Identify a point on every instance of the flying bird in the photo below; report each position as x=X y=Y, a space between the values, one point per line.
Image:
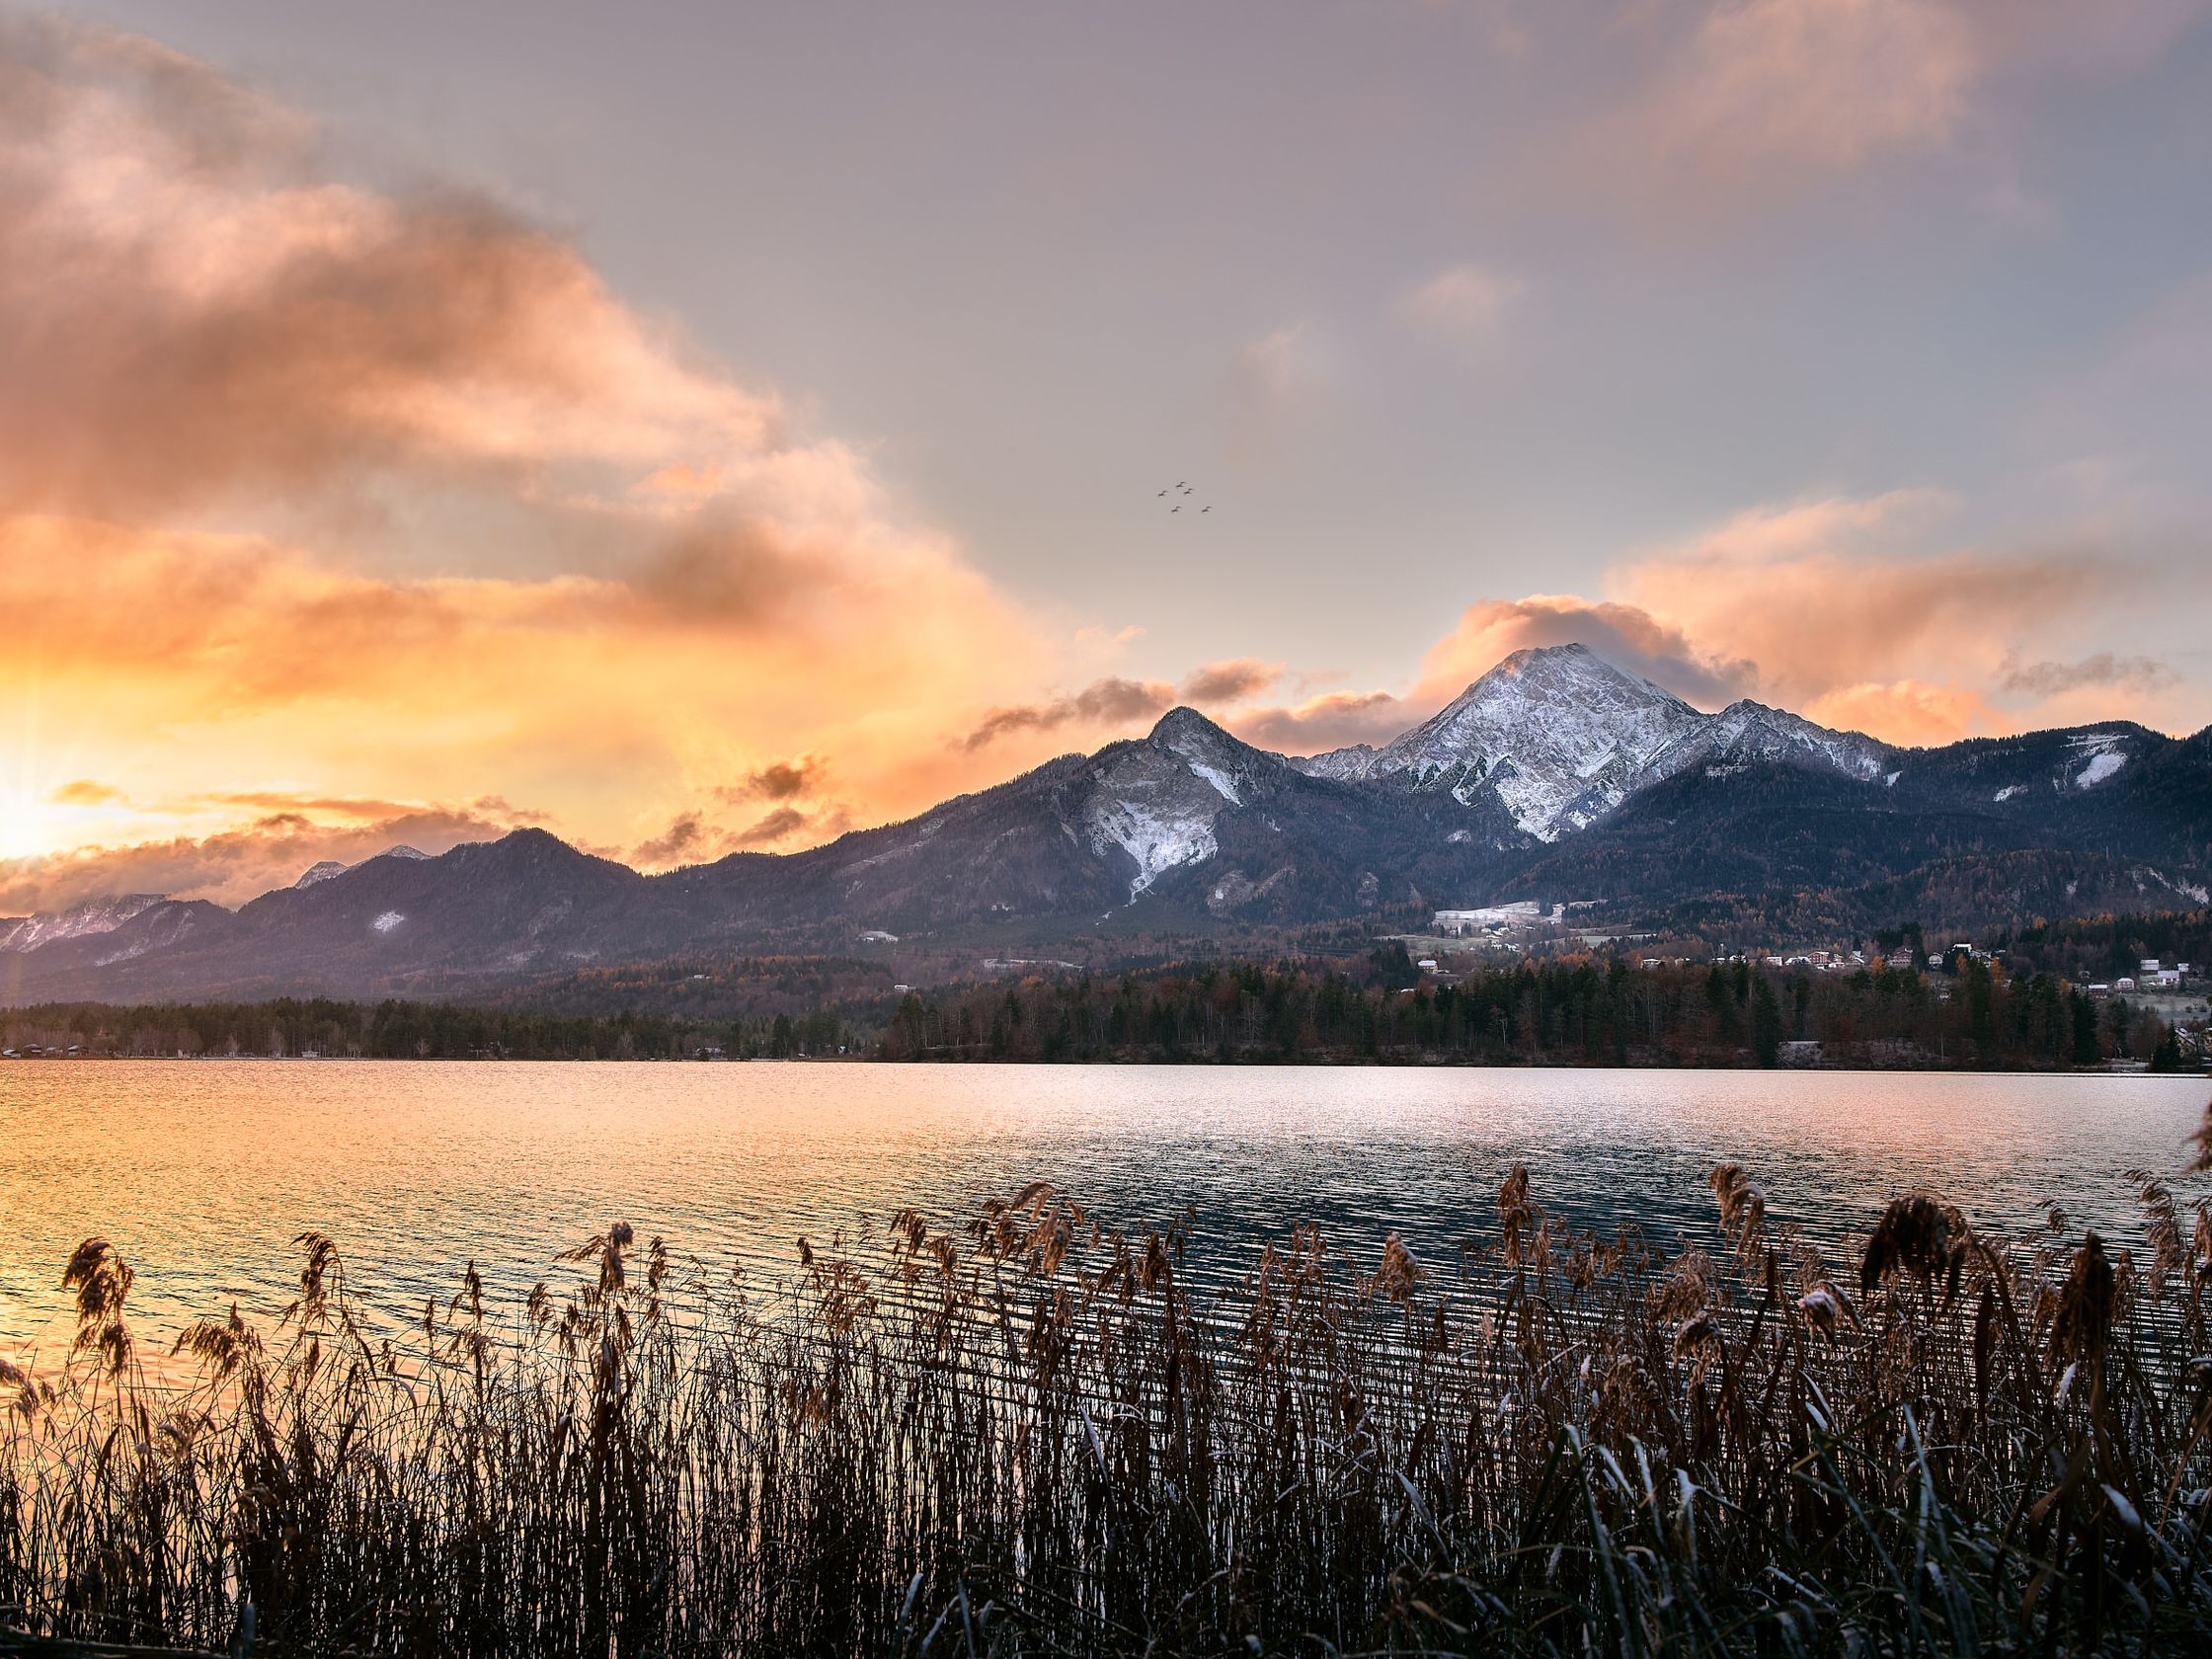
x=1207 y=507
x=1177 y=508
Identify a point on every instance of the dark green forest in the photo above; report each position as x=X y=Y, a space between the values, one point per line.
x=2026 y=1010
x=1585 y=1012
x=406 y=1030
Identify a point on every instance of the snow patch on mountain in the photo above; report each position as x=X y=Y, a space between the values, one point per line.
x=387 y=921
x=2101 y=765
x=1157 y=800
x=1345 y=766
x=1158 y=842
x=319 y=873
x=1219 y=780
x=2186 y=889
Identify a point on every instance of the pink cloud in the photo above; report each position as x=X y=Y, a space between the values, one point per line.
x=1332 y=720
x=1466 y=302
x=1852 y=611
x=1732 y=103
x=1230 y=681
x=1625 y=634
x=1762 y=93
x=235 y=865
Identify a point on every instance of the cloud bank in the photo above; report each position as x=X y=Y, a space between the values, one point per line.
x=381 y=489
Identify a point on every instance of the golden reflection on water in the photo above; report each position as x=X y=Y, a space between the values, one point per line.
x=202 y=1172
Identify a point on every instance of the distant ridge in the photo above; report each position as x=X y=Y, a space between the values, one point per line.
x=1556 y=775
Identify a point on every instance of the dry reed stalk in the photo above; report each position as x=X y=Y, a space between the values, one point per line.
x=1031 y=1434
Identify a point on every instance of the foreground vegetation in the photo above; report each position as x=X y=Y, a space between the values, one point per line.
x=1034 y=1434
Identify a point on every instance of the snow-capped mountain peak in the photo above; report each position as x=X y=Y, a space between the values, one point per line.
x=1558 y=733
x=1561 y=737
x=94 y=916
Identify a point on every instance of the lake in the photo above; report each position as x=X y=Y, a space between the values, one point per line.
x=202 y=1172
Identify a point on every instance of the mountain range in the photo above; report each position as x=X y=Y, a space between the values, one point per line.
x=1556 y=775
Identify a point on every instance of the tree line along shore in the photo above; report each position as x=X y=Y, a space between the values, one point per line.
x=1378 y=1008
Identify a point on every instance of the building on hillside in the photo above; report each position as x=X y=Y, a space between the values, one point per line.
x=1491 y=918
x=2122 y=987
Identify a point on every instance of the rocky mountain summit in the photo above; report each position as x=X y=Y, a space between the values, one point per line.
x=1560 y=738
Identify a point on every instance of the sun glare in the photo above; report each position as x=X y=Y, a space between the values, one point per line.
x=38 y=819
x=27 y=827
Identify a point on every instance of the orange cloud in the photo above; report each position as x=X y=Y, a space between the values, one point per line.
x=85 y=792
x=1836 y=591
x=234 y=865
x=1910 y=712
x=1836 y=607
x=385 y=494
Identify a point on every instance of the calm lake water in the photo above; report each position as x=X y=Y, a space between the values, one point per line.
x=202 y=1172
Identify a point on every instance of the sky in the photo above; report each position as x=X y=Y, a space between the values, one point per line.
x=716 y=427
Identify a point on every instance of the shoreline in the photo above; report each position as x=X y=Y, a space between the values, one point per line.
x=2136 y=1068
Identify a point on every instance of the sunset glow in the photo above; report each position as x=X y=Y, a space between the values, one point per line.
x=329 y=463
x=1109 y=826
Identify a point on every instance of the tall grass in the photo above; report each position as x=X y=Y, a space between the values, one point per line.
x=1030 y=1434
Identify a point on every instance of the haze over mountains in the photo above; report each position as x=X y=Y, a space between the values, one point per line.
x=1555 y=777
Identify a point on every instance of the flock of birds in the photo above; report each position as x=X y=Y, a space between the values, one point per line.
x=1182 y=489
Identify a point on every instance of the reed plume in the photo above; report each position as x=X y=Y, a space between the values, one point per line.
x=1026 y=1430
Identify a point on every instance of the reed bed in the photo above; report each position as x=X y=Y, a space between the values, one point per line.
x=1027 y=1435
